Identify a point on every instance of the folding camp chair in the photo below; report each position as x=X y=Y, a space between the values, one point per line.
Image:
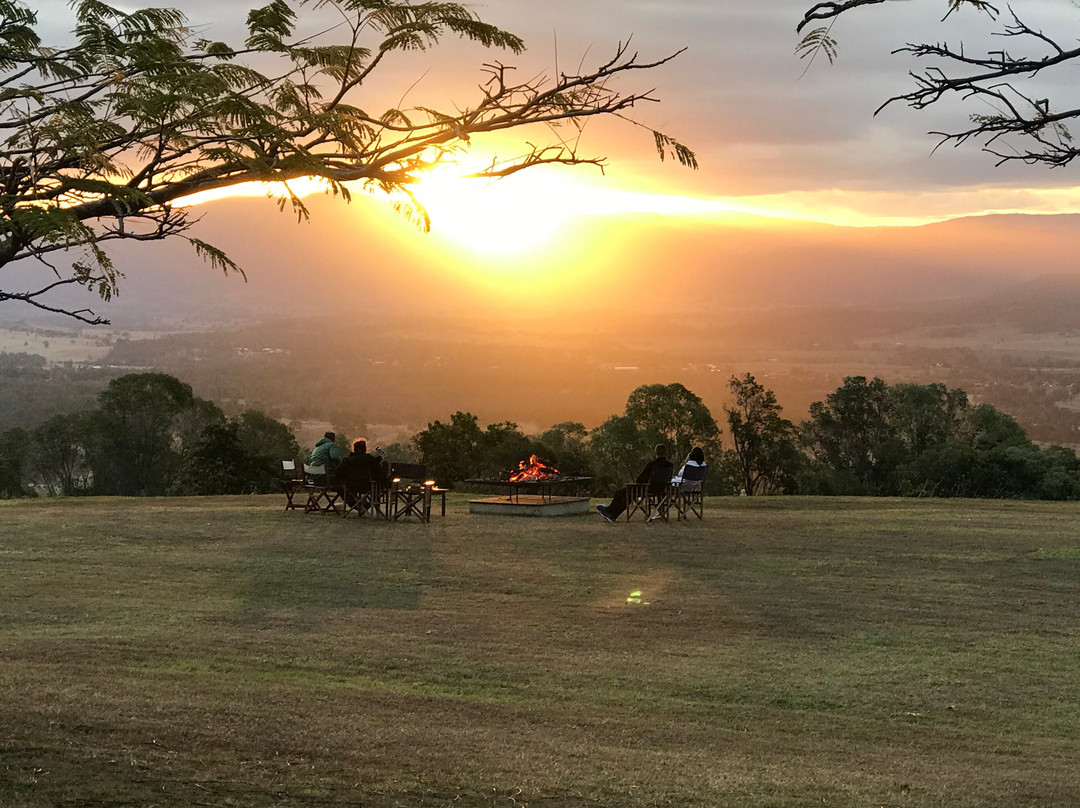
x=689 y=502
x=652 y=503
x=637 y=499
x=322 y=496
x=291 y=482
x=689 y=495
x=374 y=501
x=411 y=492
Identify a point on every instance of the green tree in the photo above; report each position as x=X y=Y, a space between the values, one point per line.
x=59 y=453
x=454 y=451
x=266 y=438
x=926 y=440
x=134 y=452
x=848 y=435
x=403 y=452
x=267 y=442
x=1060 y=474
x=1011 y=115
x=103 y=135
x=617 y=449
x=986 y=427
x=189 y=424
x=566 y=445
x=925 y=415
x=671 y=414
x=765 y=442
x=504 y=447
x=218 y=464
x=13 y=447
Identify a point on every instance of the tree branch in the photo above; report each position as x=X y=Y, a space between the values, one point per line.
x=131 y=119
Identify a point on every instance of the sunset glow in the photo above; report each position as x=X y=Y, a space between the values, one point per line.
x=493 y=217
x=305 y=186
x=528 y=211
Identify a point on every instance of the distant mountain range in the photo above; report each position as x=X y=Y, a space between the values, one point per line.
x=395 y=335
x=351 y=260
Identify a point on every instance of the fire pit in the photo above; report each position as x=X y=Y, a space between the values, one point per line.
x=530 y=491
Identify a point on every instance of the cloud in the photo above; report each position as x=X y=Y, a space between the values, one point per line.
x=760 y=121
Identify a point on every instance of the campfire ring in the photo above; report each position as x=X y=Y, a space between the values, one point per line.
x=545 y=489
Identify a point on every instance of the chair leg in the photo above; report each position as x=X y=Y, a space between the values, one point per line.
x=412 y=503
x=289 y=504
x=332 y=499
x=659 y=507
x=353 y=502
x=637 y=499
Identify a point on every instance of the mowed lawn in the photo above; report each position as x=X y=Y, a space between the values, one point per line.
x=782 y=652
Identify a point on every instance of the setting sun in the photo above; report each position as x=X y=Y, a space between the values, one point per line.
x=495 y=216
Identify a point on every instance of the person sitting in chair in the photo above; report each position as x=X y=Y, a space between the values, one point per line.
x=692 y=474
x=359 y=470
x=326 y=453
x=657 y=473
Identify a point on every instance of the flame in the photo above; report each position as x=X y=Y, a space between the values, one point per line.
x=533 y=469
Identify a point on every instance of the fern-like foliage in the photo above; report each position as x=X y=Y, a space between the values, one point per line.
x=666 y=145
x=215 y=257
x=817 y=41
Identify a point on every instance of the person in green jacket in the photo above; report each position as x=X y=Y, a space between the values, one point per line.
x=326 y=453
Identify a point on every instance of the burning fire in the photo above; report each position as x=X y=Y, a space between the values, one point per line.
x=533 y=469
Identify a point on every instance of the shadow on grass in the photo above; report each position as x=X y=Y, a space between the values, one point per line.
x=308 y=579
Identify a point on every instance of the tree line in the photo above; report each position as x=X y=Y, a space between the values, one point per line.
x=870 y=438
x=149 y=435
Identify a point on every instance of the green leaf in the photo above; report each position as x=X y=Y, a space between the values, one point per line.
x=268 y=26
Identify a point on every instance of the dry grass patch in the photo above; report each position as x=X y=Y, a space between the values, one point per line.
x=786 y=652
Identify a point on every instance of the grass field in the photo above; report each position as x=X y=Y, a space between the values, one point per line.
x=784 y=652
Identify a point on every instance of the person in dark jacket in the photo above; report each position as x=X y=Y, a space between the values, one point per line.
x=359 y=471
x=657 y=473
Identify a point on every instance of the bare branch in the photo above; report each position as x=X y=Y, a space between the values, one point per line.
x=1009 y=123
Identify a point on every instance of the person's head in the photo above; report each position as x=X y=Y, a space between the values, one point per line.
x=697 y=454
x=661 y=450
x=360 y=446
x=331 y=435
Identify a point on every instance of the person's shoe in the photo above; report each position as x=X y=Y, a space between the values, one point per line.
x=656 y=517
x=604 y=513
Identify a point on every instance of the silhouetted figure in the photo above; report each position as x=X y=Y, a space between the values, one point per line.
x=360 y=470
x=657 y=473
